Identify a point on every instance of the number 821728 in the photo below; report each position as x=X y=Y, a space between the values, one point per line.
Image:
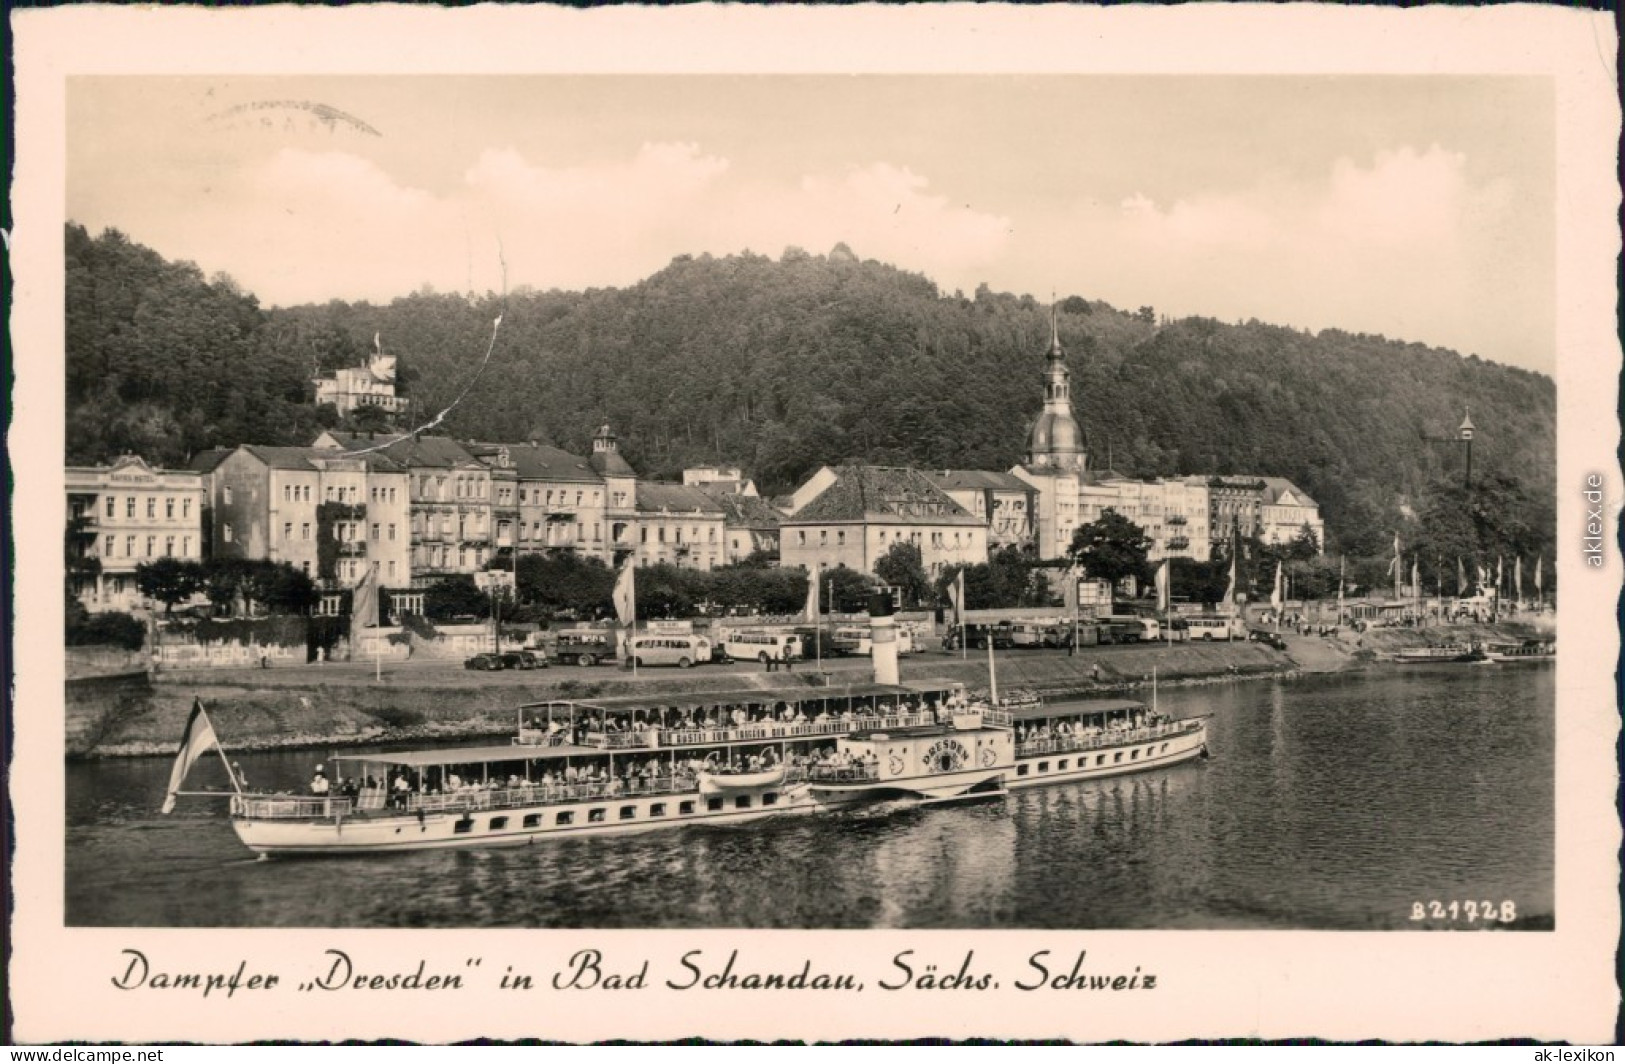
x=1470 y=912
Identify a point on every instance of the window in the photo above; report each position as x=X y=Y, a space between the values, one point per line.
x=595 y=816
x=532 y=820
x=304 y=567
x=169 y=546
x=742 y=802
x=628 y=812
x=770 y=798
x=564 y=818
x=801 y=538
x=1043 y=766
x=685 y=808
x=1060 y=766
x=823 y=536
x=658 y=809
x=112 y=503
x=327 y=493
x=186 y=546
x=107 y=550
x=713 y=804
x=225 y=533
x=129 y=504
x=375 y=530
x=1021 y=770
x=1117 y=757
x=840 y=538
x=169 y=509
x=498 y=823
x=1134 y=756
x=304 y=530
x=287 y=530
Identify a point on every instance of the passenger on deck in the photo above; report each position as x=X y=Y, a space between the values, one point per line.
x=318 y=783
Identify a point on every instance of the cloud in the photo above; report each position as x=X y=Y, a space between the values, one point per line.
x=1405 y=243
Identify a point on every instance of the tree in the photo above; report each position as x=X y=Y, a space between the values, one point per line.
x=902 y=567
x=171 y=581
x=1305 y=546
x=455 y=598
x=1112 y=548
x=278 y=587
x=851 y=590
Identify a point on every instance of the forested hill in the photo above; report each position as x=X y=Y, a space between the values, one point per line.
x=782 y=366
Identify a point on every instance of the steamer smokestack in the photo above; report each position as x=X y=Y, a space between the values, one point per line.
x=883 y=638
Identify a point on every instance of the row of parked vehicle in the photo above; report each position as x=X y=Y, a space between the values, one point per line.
x=513 y=659
x=1005 y=635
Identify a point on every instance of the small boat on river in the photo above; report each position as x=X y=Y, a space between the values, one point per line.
x=1440 y=654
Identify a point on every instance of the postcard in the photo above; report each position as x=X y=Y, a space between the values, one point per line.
x=818 y=524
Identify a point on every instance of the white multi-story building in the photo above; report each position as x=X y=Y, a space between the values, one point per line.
x=127 y=513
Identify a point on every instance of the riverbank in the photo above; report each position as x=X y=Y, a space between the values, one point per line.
x=331 y=706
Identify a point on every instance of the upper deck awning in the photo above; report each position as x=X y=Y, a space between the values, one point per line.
x=1079 y=708
x=469 y=755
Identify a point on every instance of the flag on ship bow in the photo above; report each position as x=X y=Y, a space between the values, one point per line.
x=195 y=742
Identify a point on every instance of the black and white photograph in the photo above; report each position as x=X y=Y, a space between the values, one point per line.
x=744 y=500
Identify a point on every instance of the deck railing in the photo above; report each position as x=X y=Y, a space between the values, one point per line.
x=760 y=731
x=288 y=807
x=1068 y=743
x=550 y=794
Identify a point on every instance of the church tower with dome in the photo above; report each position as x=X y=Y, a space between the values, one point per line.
x=1056 y=442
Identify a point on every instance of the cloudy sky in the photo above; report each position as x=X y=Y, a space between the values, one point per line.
x=1420 y=208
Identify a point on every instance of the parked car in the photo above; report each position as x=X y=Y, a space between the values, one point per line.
x=523 y=659
x=484 y=662
x=1263 y=635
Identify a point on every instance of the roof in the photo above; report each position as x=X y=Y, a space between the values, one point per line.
x=1075 y=709
x=746 y=511
x=538 y=461
x=282 y=457
x=978 y=480
x=1276 y=487
x=887 y=494
x=654 y=496
x=205 y=461
x=441 y=452
x=611 y=464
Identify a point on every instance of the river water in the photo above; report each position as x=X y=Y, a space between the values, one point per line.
x=1328 y=803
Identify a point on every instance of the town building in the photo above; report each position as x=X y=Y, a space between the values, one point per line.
x=450 y=499
x=620 y=493
x=1285 y=510
x=853 y=515
x=1173 y=512
x=1056 y=459
x=560 y=500
x=750 y=523
x=1235 y=506
x=331 y=515
x=124 y=514
x=679 y=525
x=718 y=478
x=372 y=385
x=1006 y=502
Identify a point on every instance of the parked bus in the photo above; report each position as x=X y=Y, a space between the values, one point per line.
x=1208 y=629
x=979 y=636
x=583 y=646
x=679 y=650
x=760 y=646
x=852 y=639
x=1149 y=629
